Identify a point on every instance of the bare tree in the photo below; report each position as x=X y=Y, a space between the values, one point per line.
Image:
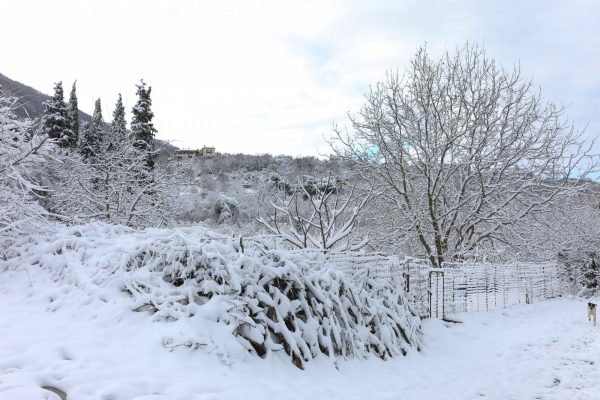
x=463 y=149
x=317 y=215
x=112 y=193
x=20 y=155
x=569 y=227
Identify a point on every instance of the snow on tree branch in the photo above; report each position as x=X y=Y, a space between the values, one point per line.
x=465 y=149
x=21 y=153
x=318 y=215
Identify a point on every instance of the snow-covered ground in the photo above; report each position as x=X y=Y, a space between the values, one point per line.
x=60 y=336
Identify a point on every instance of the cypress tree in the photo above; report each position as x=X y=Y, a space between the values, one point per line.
x=83 y=132
x=142 y=128
x=55 y=121
x=92 y=137
x=73 y=113
x=118 y=124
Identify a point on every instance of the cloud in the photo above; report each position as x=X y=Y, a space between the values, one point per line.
x=272 y=76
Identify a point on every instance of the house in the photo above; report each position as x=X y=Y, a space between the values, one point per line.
x=207 y=151
x=183 y=154
x=203 y=152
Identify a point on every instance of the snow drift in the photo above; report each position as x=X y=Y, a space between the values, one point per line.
x=236 y=300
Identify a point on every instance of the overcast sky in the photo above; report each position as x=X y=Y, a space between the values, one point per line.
x=272 y=76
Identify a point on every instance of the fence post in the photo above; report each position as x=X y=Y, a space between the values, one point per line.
x=544 y=277
x=495 y=286
x=437 y=295
x=407 y=283
x=429 y=291
x=487 y=290
x=466 y=289
x=505 y=289
x=477 y=292
x=443 y=295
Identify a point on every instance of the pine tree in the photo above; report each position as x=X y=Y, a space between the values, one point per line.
x=142 y=128
x=73 y=113
x=55 y=122
x=92 y=136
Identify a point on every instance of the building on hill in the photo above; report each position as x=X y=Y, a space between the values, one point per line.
x=207 y=151
x=203 y=152
x=183 y=154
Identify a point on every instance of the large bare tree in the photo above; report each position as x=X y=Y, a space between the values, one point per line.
x=463 y=148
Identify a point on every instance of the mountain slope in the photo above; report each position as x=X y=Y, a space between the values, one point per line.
x=31 y=101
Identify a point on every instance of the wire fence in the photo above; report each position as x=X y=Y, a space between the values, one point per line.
x=457 y=287
x=441 y=292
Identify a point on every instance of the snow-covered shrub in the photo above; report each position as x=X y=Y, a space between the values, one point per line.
x=277 y=302
x=226 y=210
x=262 y=297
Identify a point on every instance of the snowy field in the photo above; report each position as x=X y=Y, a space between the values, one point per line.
x=57 y=335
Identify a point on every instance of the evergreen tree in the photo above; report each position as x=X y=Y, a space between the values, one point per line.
x=118 y=124
x=142 y=128
x=92 y=136
x=83 y=129
x=55 y=122
x=97 y=119
x=591 y=274
x=114 y=183
x=73 y=113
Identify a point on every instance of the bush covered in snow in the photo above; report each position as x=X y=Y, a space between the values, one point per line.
x=226 y=209
x=253 y=298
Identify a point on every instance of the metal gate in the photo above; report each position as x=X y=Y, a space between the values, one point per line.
x=437 y=293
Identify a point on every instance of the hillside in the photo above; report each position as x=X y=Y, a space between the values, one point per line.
x=31 y=100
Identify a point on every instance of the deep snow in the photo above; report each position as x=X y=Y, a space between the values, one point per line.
x=58 y=335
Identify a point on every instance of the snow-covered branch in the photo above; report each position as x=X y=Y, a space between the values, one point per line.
x=318 y=216
x=21 y=153
x=465 y=149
